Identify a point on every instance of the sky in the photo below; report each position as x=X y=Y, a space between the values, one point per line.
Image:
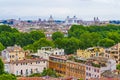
x=60 y=9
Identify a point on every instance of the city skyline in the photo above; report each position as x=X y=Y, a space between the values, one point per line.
x=60 y=9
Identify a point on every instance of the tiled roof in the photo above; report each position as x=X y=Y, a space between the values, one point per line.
x=58 y=57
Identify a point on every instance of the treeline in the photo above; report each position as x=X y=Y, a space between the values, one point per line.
x=78 y=37
x=11 y=36
x=104 y=36
x=89 y=36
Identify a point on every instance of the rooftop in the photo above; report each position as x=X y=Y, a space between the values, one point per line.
x=12 y=48
x=27 y=60
x=59 y=57
x=109 y=74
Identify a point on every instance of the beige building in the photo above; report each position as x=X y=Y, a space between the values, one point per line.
x=90 y=52
x=13 y=53
x=113 y=53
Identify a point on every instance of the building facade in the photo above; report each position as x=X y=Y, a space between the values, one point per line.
x=91 y=52
x=58 y=63
x=97 y=65
x=45 y=52
x=75 y=69
x=26 y=67
x=13 y=53
x=113 y=53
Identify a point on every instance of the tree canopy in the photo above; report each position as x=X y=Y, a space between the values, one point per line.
x=118 y=66
x=11 y=36
x=57 y=35
x=79 y=36
x=46 y=72
x=7 y=77
x=1 y=67
x=1 y=47
x=49 y=72
x=43 y=42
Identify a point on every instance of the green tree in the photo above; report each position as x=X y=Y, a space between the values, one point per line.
x=7 y=77
x=43 y=42
x=118 y=66
x=36 y=35
x=1 y=67
x=57 y=35
x=70 y=45
x=106 y=42
x=86 y=40
x=76 y=31
x=35 y=75
x=1 y=47
x=114 y=36
x=30 y=47
x=95 y=37
x=6 y=28
x=49 y=72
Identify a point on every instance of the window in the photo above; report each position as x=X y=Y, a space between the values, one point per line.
x=37 y=70
x=86 y=73
x=98 y=76
x=31 y=71
x=95 y=75
x=59 y=53
x=98 y=70
x=116 y=61
x=26 y=71
x=94 y=70
x=90 y=74
x=16 y=72
x=89 y=69
x=21 y=72
x=12 y=56
x=56 y=53
x=43 y=61
x=44 y=67
x=16 y=64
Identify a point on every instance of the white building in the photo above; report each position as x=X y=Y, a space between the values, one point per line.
x=45 y=52
x=73 y=20
x=26 y=67
x=95 y=72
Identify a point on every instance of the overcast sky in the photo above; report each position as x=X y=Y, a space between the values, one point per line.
x=59 y=9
